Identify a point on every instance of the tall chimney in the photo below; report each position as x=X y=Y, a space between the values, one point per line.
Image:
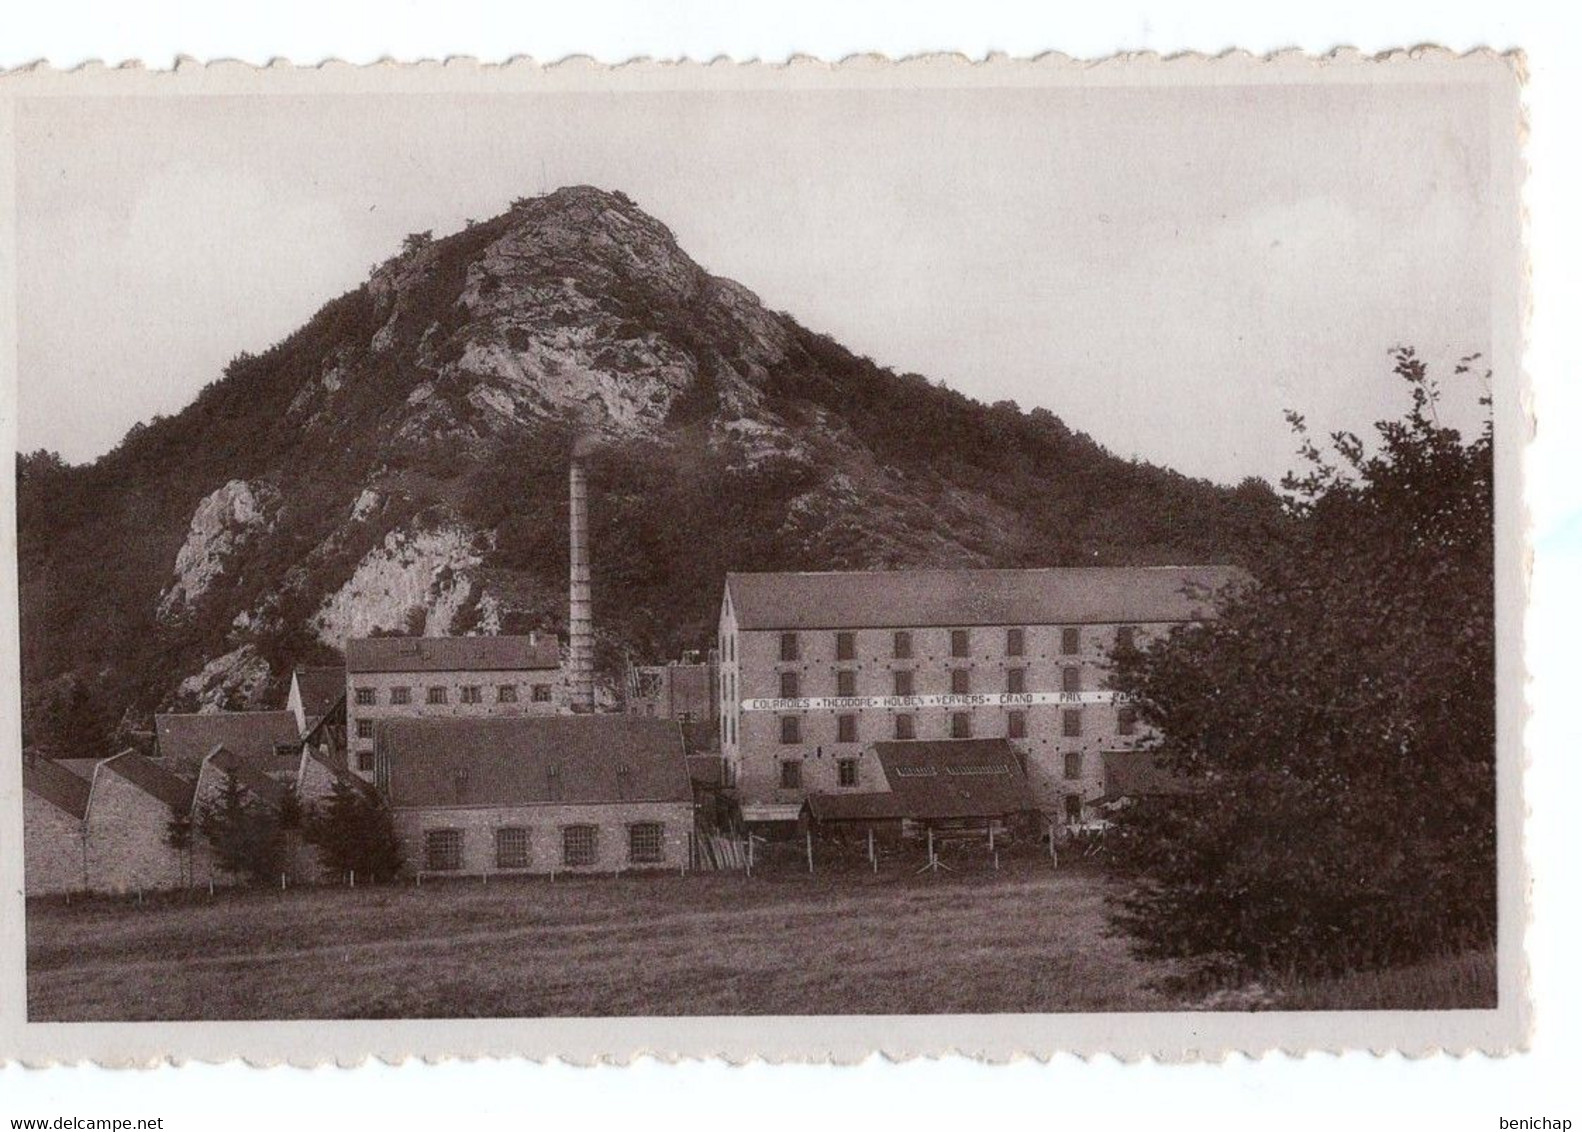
x=580 y=676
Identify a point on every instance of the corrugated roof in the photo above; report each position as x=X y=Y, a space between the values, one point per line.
x=523 y=760
x=451 y=654
x=936 y=780
x=321 y=689
x=1137 y=774
x=152 y=778
x=186 y=739
x=1076 y=595
x=56 y=785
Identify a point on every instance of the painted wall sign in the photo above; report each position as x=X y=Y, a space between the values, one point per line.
x=951 y=700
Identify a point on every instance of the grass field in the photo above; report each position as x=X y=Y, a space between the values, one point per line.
x=1031 y=939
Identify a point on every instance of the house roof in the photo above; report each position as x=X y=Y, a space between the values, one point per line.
x=1075 y=595
x=321 y=689
x=56 y=785
x=82 y=768
x=524 y=760
x=936 y=779
x=253 y=778
x=186 y=739
x=1137 y=774
x=152 y=778
x=451 y=654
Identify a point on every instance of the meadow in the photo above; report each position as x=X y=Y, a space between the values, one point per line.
x=1026 y=940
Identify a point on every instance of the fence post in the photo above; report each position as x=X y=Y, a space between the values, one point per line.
x=873 y=858
x=282 y=882
x=749 y=854
x=810 y=851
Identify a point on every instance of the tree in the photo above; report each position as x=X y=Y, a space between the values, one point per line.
x=244 y=833
x=1334 y=723
x=178 y=836
x=355 y=834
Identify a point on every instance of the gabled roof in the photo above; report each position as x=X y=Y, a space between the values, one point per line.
x=1075 y=595
x=524 y=760
x=248 y=774
x=936 y=780
x=320 y=690
x=451 y=654
x=56 y=785
x=186 y=739
x=1137 y=774
x=82 y=768
x=151 y=778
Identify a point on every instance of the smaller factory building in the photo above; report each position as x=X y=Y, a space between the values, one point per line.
x=544 y=794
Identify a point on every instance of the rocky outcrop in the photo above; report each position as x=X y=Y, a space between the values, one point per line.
x=239 y=680
x=416 y=581
x=223 y=523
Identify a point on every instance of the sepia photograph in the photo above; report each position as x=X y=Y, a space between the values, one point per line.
x=904 y=542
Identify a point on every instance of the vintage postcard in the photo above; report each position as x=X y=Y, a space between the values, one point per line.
x=763 y=561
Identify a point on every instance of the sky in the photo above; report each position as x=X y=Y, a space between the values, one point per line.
x=1166 y=270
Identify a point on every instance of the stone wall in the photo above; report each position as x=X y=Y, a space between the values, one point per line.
x=545 y=825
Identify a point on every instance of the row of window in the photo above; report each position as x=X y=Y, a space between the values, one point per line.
x=443 y=849
x=960 y=643
x=847 y=771
x=440 y=694
x=905 y=682
x=905 y=725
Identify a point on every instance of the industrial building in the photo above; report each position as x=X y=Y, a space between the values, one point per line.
x=818 y=668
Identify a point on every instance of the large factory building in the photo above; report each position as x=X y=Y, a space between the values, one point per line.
x=816 y=668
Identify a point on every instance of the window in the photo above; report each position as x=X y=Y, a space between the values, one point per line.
x=845 y=728
x=541 y=693
x=791 y=774
x=960 y=643
x=1126 y=721
x=1071 y=724
x=365 y=729
x=903 y=645
x=1015 y=642
x=846 y=772
x=579 y=845
x=442 y=850
x=789 y=648
x=472 y=693
x=365 y=762
x=438 y=695
x=905 y=727
x=1071 y=679
x=790 y=729
x=845 y=646
x=1073 y=764
x=903 y=682
x=1016 y=725
x=511 y=848
x=1074 y=809
x=366 y=697
x=1016 y=679
x=960 y=681
x=1126 y=637
x=960 y=725
x=1071 y=640
x=505 y=694
x=401 y=695
x=790 y=686
x=645 y=843
x=845 y=682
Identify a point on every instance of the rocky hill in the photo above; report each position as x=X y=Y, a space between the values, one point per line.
x=398 y=465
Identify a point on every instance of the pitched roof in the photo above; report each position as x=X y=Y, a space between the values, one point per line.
x=82 y=768
x=936 y=779
x=1074 y=595
x=321 y=689
x=152 y=778
x=1137 y=774
x=56 y=785
x=253 y=778
x=451 y=654
x=522 y=760
x=186 y=739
